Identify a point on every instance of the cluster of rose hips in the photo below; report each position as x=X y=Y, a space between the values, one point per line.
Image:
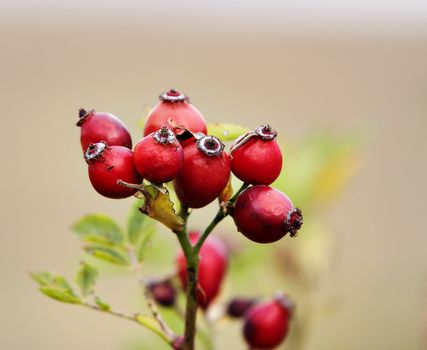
x=176 y=147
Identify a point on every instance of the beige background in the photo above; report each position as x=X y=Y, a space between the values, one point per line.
x=372 y=80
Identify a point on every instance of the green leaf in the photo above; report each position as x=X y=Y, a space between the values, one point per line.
x=226 y=132
x=86 y=278
x=98 y=228
x=151 y=324
x=51 y=279
x=138 y=223
x=102 y=305
x=144 y=244
x=60 y=294
x=106 y=253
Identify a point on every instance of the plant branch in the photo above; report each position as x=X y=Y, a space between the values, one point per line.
x=136 y=266
x=220 y=215
x=137 y=319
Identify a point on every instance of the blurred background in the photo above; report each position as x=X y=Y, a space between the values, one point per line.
x=344 y=82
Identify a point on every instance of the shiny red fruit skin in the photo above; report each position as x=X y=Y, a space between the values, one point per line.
x=260 y=213
x=257 y=162
x=158 y=162
x=202 y=177
x=102 y=126
x=212 y=268
x=115 y=163
x=171 y=114
x=266 y=325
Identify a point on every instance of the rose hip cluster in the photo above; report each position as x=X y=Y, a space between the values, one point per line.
x=176 y=147
x=197 y=164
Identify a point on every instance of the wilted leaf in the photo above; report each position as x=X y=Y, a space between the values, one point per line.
x=226 y=132
x=159 y=207
x=138 y=224
x=226 y=193
x=86 y=278
x=106 y=253
x=102 y=305
x=60 y=294
x=98 y=228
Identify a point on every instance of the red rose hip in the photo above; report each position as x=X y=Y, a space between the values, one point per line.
x=264 y=214
x=256 y=157
x=158 y=156
x=177 y=113
x=205 y=172
x=101 y=126
x=107 y=165
x=212 y=268
x=163 y=292
x=266 y=325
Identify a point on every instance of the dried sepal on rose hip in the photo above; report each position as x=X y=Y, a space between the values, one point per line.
x=256 y=157
x=107 y=165
x=212 y=268
x=163 y=292
x=177 y=113
x=266 y=325
x=264 y=214
x=101 y=126
x=205 y=172
x=159 y=156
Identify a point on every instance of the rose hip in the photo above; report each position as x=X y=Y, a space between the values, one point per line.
x=256 y=157
x=264 y=214
x=107 y=165
x=101 y=126
x=205 y=172
x=158 y=156
x=177 y=113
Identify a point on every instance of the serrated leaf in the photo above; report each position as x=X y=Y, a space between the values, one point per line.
x=102 y=305
x=98 y=228
x=86 y=278
x=106 y=253
x=226 y=132
x=159 y=206
x=60 y=294
x=138 y=224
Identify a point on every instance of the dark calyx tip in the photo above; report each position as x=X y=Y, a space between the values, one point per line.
x=83 y=114
x=173 y=96
x=266 y=132
x=178 y=343
x=210 y=145
x=294 y=221
x=94 y=151
x=237 y=307
x=164 y=135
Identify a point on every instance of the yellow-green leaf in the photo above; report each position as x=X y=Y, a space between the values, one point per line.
x=60 y=294
x=106 y=253
x=226 y=132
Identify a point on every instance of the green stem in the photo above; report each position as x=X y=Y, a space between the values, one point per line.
x=220 y=215
x=192 y=258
